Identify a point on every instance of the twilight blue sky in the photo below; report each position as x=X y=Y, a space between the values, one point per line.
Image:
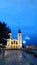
x=20 y=14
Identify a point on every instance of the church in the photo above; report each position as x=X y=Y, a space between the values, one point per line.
x=15 y=43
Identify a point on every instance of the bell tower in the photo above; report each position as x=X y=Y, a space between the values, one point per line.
x=9 y=41
x=19 y=39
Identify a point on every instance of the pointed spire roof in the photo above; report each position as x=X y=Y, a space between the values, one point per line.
x=19 y=31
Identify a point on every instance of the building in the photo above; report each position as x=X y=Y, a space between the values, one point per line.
x=31 y=47
x=28 y=47
x=15 y=43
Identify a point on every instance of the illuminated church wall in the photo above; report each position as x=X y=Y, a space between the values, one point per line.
x=15 y=43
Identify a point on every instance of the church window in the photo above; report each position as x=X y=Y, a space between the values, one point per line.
x=14 y=41
x=16 y=46
x=11 y=42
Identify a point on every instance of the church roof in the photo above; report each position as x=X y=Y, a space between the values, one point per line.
x=19 y=31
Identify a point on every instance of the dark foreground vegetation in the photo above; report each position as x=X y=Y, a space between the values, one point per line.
x=4 y=30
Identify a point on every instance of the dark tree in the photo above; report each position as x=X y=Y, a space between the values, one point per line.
x=4 y=30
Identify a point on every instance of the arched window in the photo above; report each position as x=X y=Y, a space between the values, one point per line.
x=14 y=41
x=19 y=34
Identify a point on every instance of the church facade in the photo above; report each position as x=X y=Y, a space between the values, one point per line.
x=15 y=43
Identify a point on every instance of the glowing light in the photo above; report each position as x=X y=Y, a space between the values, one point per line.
x=27 y=38
x=24 y=42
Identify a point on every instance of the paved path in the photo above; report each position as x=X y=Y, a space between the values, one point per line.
x=17 y=57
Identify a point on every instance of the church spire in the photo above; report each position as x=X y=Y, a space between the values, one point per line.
x=19 y=31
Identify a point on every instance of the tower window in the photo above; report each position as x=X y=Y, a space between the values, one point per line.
x=19 y=34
